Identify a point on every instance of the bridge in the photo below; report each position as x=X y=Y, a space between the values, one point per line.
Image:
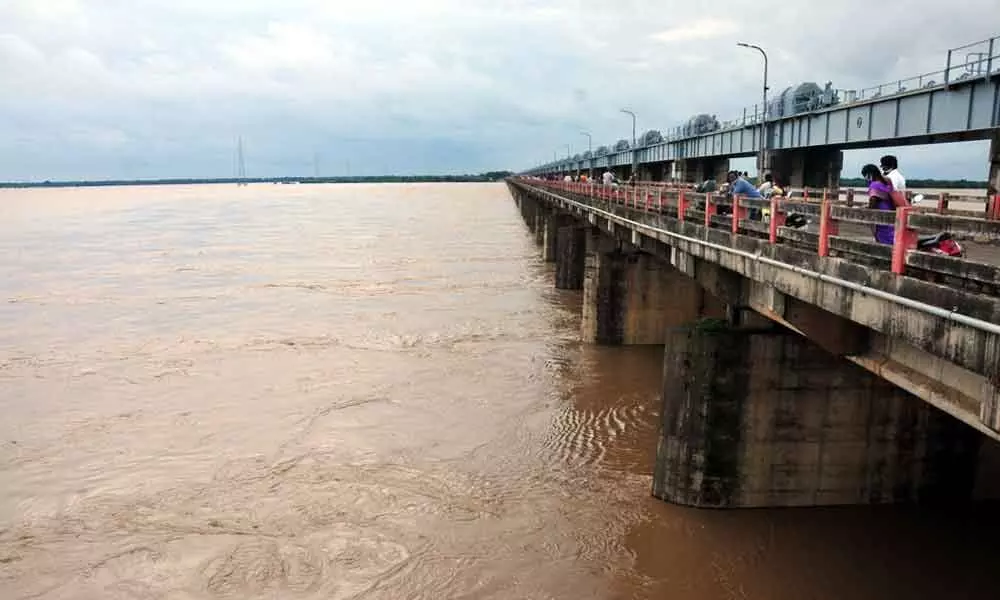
x=800 y=368
x=805 y=144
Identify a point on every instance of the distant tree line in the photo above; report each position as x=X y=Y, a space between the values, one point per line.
x=923 y=183
x=481 y=177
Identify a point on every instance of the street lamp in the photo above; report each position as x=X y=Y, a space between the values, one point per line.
x=590 y=153
x=763 y=114
x=635 y=155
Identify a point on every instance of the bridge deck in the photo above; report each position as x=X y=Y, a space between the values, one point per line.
x=849 y=228
x=934 y=321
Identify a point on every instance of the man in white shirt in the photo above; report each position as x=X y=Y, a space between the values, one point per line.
x=766 y=187
x=890 y=168
x=608 y=178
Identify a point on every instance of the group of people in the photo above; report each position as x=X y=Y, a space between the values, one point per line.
x=886 y=189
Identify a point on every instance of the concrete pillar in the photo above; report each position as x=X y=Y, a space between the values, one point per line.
x=541 y=214
x=678 y=170
x=571 y=253
x=529 y=206
x=717 y=168
x=766 y=418
x=697 y=170
x=994 y=176
x=550 y=227
x=816 y=168
x=656 y=172
x=631 y=297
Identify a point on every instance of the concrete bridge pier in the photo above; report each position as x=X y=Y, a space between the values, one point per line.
x=816 y=168
x=540 y=217
x=692 y=170
x=529 y=208
x=659 y=171
x=764 y=417
x=571 y=253
x=631 y=297
x=550 y=228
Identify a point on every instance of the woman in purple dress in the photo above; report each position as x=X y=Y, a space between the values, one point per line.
x=880 y=197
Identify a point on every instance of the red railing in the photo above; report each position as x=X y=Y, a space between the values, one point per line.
x=676 y=201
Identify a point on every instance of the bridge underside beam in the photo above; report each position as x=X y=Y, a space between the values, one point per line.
x=631 y=297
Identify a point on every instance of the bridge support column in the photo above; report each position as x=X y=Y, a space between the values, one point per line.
x=541 y=215
x=994 y=178
x=766 y=418
x=550 y=227
x=529 y=209
x=571 y=253
x=631 y=297
x=698 y=170
x=816 y=168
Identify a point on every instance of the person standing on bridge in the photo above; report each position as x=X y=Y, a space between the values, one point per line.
x=890 y=168
x=608 y=177
x=880 y=197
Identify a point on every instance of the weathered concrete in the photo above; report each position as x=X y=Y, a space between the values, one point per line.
x=807 y=168
x=698 y=170
x=571 y=254
x=953 y=366
x=603 y=282
x=631 y=297
x=766 y=418
x=550 y=227
x=529 y=209
x=841 y=352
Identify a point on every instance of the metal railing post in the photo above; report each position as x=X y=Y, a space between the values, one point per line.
x=989 y=59
x=904 y=240
x=827 y=227
x=777 y=219
x=947 y=71
x=710 y=210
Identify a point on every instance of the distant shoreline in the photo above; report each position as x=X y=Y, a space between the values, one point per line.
x=481 y=178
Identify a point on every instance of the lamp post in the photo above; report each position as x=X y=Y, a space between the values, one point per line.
x=763 y=114
x=635 y=155
x=590 y=152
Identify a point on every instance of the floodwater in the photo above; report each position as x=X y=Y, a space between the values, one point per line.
x=365 y=391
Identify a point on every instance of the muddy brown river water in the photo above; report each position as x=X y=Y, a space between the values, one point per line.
x=365 y=391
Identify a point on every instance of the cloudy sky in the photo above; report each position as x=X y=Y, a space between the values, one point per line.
x=162 y=88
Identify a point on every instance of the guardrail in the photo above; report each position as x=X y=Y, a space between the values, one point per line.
x=766 y=218
x=939 y=203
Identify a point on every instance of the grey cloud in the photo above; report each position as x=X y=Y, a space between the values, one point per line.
x=108 y=88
